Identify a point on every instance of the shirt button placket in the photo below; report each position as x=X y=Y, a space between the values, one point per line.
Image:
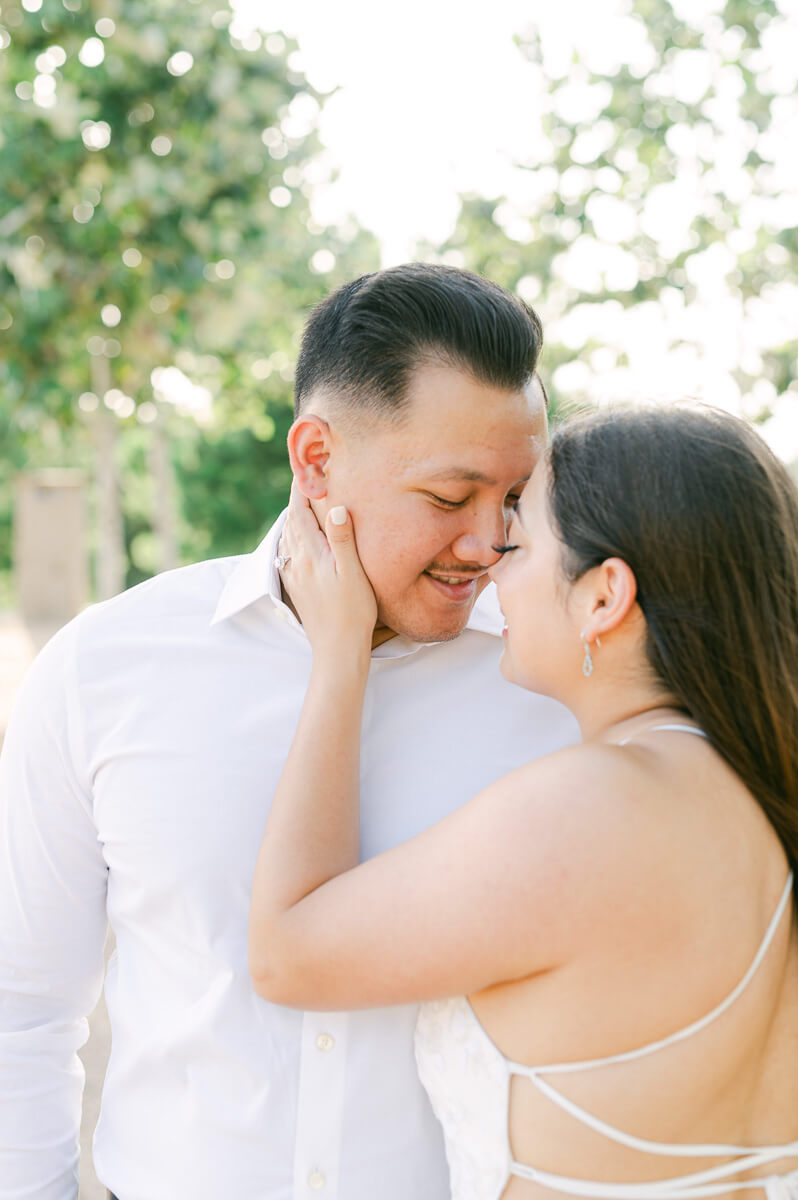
x=322 y=1080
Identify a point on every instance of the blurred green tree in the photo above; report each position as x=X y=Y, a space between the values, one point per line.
x=656 y=208
x=155 y=170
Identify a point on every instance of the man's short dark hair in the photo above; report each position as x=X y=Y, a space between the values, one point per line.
x=362 y=342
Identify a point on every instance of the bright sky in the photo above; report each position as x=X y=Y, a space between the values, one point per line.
x=434 y=98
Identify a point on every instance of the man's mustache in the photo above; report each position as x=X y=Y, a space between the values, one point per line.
x=468 y=572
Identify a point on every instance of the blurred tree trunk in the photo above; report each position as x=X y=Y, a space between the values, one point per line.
x=164 y=517
x=110 y=536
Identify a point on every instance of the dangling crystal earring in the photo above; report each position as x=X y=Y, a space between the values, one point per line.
x=587 y=664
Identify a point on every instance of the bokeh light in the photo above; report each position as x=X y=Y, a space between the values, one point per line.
x=280 y=197
x=96 y=134
x=322 y=262
x=92 y=52
x=180 y=63
x=110 y=315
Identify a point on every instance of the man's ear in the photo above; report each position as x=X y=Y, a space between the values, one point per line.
x=614 y=596
x=308 y=450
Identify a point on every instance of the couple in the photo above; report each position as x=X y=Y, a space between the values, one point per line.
x=603 y=937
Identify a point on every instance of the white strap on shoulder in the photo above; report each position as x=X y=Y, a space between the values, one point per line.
x=671 y=728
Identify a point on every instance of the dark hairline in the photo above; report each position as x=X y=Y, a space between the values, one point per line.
x=396 y=416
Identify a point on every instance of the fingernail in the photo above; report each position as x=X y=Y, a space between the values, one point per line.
x=338 y=515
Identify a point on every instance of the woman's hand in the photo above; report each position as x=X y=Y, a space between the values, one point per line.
x=326 y=581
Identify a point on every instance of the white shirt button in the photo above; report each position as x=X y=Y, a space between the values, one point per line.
x=325 y=1041
x=316 y=1180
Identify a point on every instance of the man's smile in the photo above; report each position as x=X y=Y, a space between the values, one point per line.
x=446 y=577
x=455 y=587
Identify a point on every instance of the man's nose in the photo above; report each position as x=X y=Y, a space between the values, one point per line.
x=483 y=529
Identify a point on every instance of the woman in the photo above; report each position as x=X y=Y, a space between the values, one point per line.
x=605 y=938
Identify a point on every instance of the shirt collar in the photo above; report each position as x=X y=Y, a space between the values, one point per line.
x=255 y=577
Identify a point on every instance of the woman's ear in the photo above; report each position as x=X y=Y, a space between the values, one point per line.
x=613 y=596
x=308 y=451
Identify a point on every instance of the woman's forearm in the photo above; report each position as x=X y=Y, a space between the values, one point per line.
x=313 y=830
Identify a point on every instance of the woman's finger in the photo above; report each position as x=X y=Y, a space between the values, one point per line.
x=296 y=498
x=301 y=531
x=341 y=537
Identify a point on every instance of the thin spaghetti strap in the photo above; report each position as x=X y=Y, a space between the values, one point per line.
x=672 y=728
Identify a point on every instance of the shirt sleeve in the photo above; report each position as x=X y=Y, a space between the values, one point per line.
x=52 y=929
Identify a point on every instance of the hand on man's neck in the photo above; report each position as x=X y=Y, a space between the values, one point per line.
x=381 y=632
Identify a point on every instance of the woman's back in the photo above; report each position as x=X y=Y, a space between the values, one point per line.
x=717 y=875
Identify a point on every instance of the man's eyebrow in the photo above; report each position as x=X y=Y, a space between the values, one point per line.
x=471 y=476
x=462 y=473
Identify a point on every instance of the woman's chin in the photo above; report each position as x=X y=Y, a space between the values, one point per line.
x=506 y=666
x=523 y=679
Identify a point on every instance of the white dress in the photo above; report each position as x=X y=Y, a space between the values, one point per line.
x=468 y=1082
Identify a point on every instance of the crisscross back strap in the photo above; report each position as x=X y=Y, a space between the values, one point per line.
x=683 y=1187
x=713 y=1181
x=710 y=1182
x=681 y=1034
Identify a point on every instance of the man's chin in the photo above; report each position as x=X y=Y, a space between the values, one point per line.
x=421 y=630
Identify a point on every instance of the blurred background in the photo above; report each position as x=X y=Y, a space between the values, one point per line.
x=180 y=183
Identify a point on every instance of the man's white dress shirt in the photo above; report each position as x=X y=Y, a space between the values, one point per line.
x=134 y=788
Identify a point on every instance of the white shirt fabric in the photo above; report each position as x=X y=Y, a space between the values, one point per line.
x=134 y=787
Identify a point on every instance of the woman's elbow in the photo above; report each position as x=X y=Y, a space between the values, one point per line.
x=274 y=980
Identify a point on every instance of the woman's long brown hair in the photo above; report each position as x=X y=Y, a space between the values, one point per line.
x=707 y=518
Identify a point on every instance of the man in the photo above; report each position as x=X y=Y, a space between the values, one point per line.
x=150 y=734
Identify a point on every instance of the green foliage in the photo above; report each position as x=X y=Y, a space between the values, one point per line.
x=646 y=126
x=227 y=468
x=178 y=197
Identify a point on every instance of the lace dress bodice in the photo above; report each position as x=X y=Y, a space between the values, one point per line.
x=468 y=1083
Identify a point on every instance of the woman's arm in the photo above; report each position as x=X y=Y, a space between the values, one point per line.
x=506 y=887
x=313 y=829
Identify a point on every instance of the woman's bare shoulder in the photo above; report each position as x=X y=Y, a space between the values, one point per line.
x=594 y=821
x=587 y=775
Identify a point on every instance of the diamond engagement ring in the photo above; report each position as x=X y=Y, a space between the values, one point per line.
x=281 y=560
